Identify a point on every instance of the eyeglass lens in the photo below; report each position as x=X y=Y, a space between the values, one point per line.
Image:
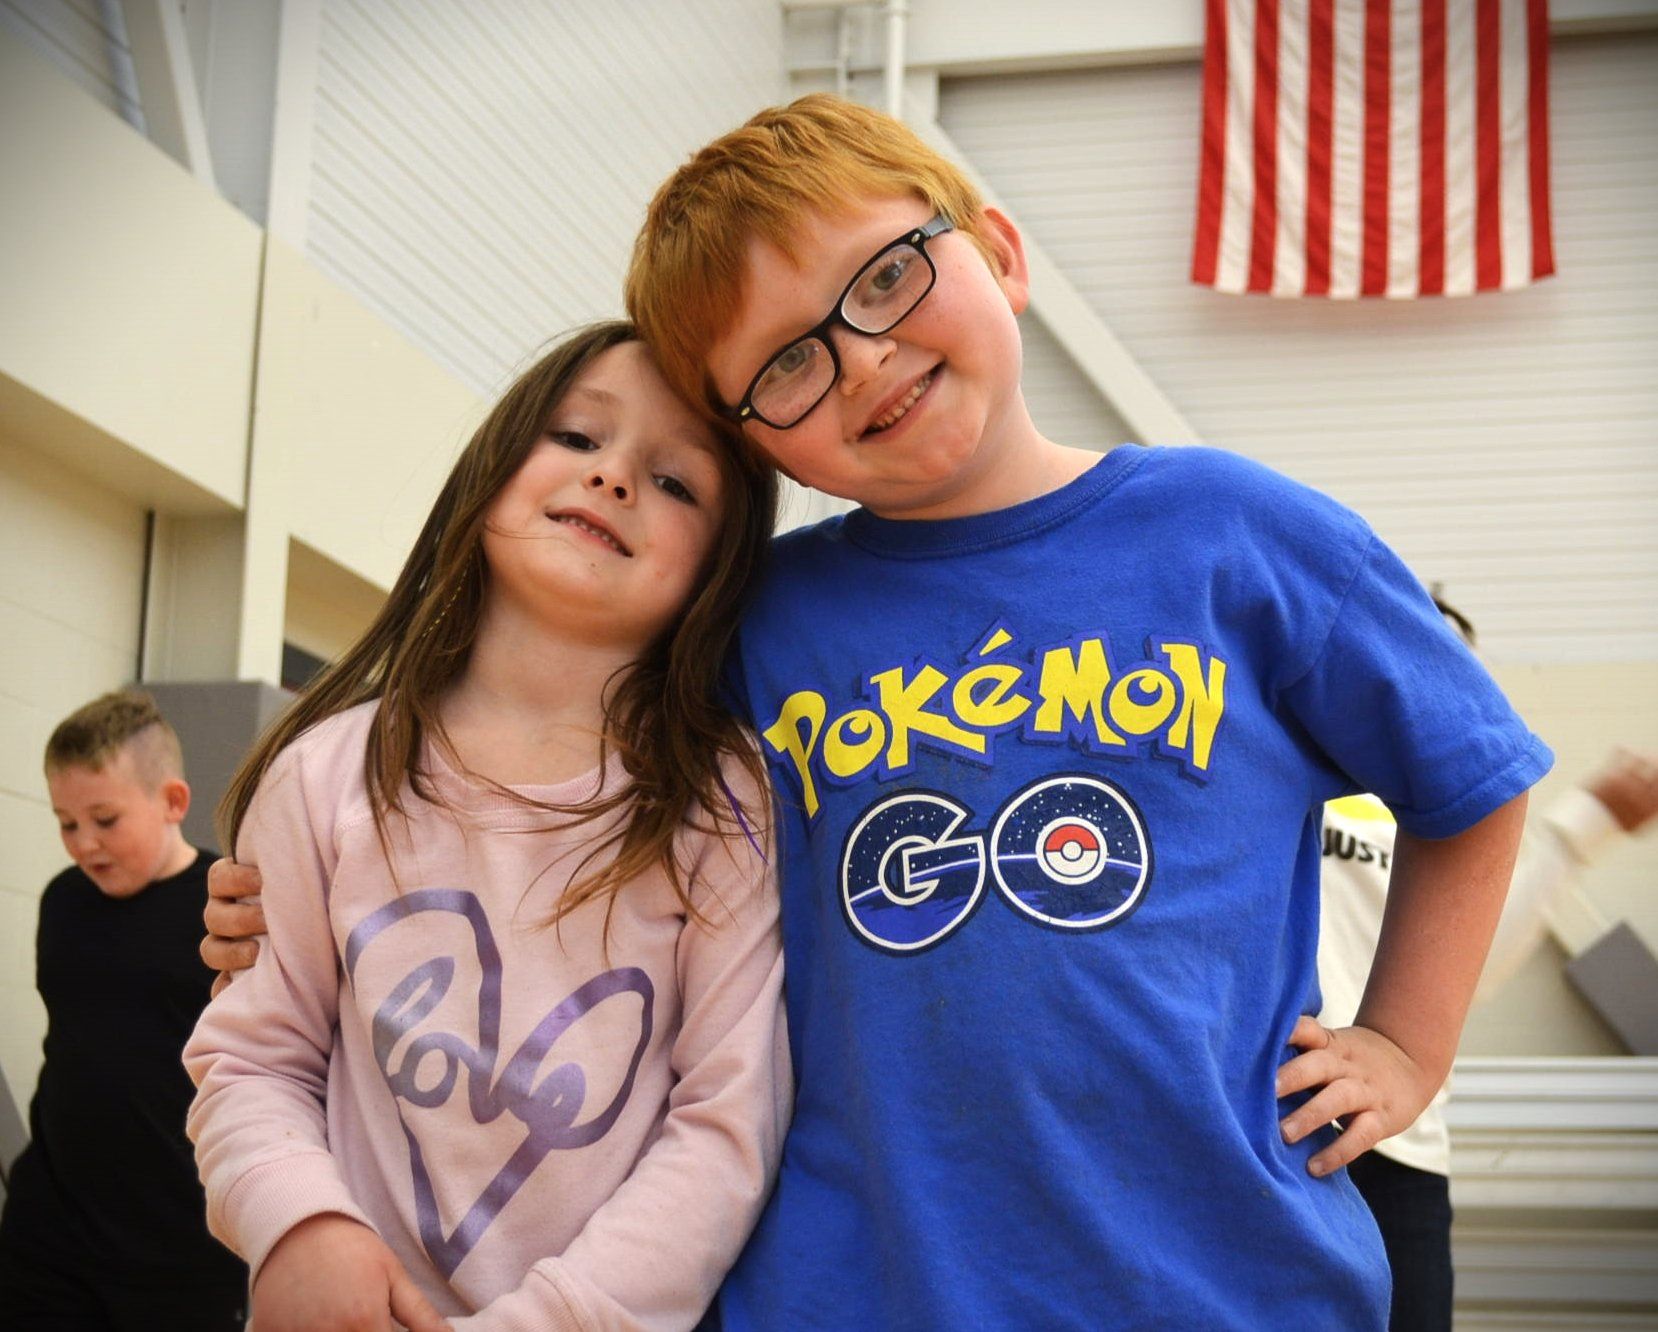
x=887 y=289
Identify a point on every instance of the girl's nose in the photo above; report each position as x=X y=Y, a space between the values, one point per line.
x=615 y=483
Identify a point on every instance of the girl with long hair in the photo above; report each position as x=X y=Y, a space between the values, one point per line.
x=512 y=1053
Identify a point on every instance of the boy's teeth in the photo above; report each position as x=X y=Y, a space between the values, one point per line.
x=892 y=418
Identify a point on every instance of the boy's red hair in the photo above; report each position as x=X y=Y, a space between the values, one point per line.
x=818 y=154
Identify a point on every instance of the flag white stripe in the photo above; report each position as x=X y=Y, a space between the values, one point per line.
x=1461 y=174
x=1289 y=268
x=1238 y=196
x=1347 y=150
x=1404 y=173
x=1514 y=76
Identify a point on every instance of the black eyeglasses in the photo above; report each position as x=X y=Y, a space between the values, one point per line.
x=799 y=376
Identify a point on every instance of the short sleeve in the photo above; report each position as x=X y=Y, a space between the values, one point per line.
x=1404 y=708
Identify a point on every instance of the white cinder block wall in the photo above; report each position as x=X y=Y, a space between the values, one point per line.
x=71 y=564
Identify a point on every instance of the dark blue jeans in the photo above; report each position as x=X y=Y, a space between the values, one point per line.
x=1413 y=1211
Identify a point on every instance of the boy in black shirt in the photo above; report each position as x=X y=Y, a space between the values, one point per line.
x=104 y=1224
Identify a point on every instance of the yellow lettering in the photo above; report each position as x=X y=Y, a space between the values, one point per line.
x=1203 y=700
x=1075 y=681
x=904 y=703
x=785 y=736
x=1142 y=718
x=994 y=707
x=846 y=757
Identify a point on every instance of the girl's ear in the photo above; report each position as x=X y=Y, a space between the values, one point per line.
x=1007 y=249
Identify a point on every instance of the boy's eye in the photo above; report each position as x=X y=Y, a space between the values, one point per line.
x=673 y=486
x=793 y=359
x=107 y=822
x=572 y=439
x=887 y=276
x=66 y=827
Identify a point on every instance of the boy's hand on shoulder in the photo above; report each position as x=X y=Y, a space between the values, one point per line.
x=1366 y=1081
x=233 y=917
x=332 y=1274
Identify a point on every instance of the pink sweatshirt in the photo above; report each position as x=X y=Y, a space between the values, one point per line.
x=548 y=1135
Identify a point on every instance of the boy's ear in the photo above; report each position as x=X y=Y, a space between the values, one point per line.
x=1008 y=249
x=175 y=798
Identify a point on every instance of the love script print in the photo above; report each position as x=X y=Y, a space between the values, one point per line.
x=547 y=1109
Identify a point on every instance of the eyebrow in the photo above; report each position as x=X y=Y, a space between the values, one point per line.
x=597 y=394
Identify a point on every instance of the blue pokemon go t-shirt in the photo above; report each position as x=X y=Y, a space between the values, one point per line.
x=1048 y=787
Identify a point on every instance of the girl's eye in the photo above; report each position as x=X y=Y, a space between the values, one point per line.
x=673 y=486
x=107 y=823
x=66 y=827
x=572 y=439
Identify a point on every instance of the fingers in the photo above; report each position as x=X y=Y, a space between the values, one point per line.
x=228 y=954
x=1336 y=1101
x=1363 y=1132
x=1309 y=1034
x=234 y=920
x=219 y=983
x=410 y=1306
x=225 y=878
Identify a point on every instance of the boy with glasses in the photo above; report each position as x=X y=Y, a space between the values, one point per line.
x=1050 y=734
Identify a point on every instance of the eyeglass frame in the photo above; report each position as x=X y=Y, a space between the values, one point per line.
x=916 y=238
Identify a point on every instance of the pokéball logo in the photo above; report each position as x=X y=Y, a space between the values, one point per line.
x=1071 y=852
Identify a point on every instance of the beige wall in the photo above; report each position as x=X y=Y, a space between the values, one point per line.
x=71 y=566
x=364 y=426
x=130 y=293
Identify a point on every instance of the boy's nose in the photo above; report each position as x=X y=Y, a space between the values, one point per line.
x=861 y=356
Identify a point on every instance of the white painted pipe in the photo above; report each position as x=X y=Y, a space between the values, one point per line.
x=897 y=13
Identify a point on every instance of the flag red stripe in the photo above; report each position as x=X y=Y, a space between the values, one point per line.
x=1537 y=57
x=1321 y=50
x=1432 y=222
x=1212 y=169
x=1377 y=90
x=1263 y=229
x=1488 y=216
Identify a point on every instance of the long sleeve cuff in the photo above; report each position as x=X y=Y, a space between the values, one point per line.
x=271 y=1199
x=1584 y=824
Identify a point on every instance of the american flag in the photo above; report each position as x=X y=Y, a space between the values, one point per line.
x=1374 y=147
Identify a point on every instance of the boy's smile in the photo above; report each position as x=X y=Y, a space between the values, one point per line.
x=922 y=415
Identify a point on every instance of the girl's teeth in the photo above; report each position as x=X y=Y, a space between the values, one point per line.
x=588 y=527
x=893 y=417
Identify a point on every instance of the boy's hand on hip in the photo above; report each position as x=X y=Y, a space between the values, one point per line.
x=332 y=1274
x=233 y=918
x=1366 y=1081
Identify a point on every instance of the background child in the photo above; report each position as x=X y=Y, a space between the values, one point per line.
x=103 y=1224
x=1405 y=1179
x=1051 y=733
x=515 y=1032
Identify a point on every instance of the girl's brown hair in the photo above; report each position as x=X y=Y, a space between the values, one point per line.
x=661 y=713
